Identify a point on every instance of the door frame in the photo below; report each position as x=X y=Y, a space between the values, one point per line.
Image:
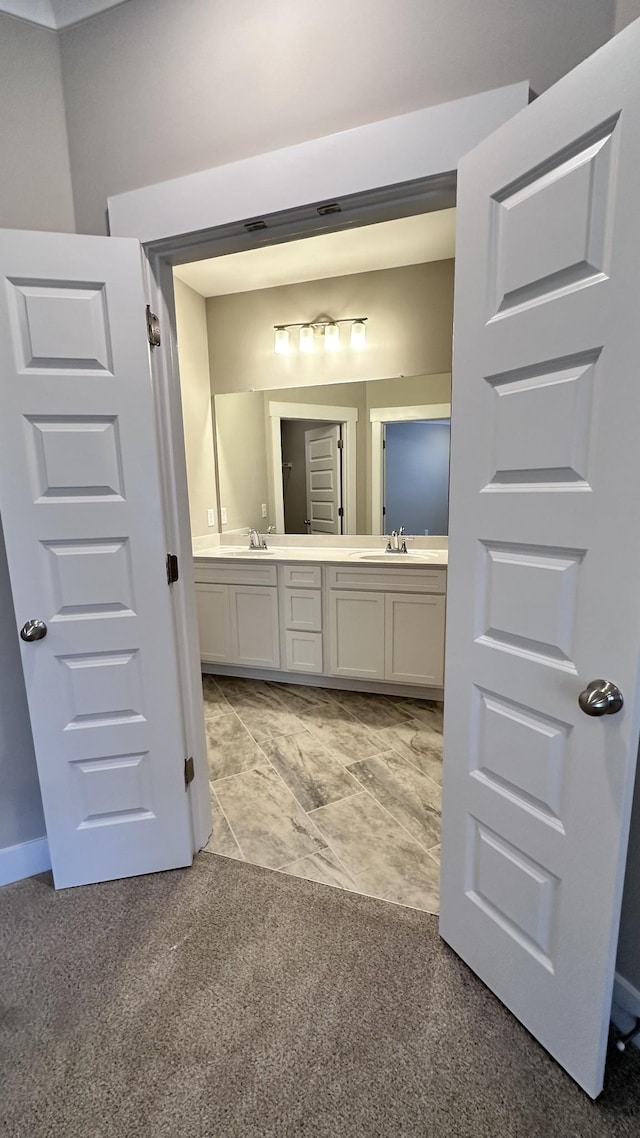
x=388 y=169
x=348 y=419
x=378 y=418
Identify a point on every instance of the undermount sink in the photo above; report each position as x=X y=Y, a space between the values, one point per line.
x=394 y=558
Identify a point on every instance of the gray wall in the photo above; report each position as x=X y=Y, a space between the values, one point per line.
x=20 y=805
x=409 y=328
x=35 y=193
x=204 y=82
x=35 y=177
x=626 y=11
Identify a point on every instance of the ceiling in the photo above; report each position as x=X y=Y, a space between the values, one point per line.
x=56 y=14
x=386 y=245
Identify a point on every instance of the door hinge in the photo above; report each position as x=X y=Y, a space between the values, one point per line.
x=189 y=771
x=384 y=510
x=340 y=444
x=172 y=569
x=153 y=328
x=340 y=511
x=384 y=444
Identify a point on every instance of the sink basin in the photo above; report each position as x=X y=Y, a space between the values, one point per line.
x=397 y=558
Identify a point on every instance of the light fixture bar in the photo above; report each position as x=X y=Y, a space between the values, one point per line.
x=323 y=323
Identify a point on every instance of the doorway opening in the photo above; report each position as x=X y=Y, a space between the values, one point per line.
x=322 y=658
x=312 y=476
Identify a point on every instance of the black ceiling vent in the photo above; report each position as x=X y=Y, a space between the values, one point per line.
x=254 y=226
x=333 y=207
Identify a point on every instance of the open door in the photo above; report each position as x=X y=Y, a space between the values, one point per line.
x=544 y=546
x=322 y=450
x=82 y=516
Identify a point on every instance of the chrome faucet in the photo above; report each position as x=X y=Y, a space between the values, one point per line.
x=397 y=543
x=256 y=541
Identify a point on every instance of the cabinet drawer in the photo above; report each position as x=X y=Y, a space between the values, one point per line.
x=302 y=576
x=302 y=610
x=234 y=573
x=391 y=580
x=303 y=651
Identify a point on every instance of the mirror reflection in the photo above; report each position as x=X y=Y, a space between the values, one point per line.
x=342 y=458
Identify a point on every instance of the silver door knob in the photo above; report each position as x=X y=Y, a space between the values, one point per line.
x=600 y=697
x=33 y=630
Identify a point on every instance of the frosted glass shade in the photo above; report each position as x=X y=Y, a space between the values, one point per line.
x=282 y=341
x=358 y=334
x=306 y=338
x=332 y=338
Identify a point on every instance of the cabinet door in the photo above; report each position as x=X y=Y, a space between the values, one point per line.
x=356 y=629
x=214 y=626
x=414 y=639
x=254 y=626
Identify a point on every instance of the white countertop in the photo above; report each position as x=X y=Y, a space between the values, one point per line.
x=326 y=555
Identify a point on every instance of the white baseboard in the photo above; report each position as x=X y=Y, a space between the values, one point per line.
x=625 y=1009
x=24 y=860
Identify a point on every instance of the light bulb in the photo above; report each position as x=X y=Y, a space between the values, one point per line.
x=306 y=338
x=358 y=334
x=282 y=341
x=331 y=338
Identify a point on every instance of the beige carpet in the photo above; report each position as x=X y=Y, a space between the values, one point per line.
x=232 y=1000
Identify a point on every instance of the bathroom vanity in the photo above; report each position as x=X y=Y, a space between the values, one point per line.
x=337 y=616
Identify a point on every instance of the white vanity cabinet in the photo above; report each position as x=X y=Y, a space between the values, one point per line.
x=237 y=608
x=387 y=624
x=377 y=623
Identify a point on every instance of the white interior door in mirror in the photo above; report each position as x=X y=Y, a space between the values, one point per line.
x=324 y=478
x=82 y=517
x=543 y=553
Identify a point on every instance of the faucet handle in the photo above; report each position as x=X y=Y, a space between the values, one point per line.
x=271 y=529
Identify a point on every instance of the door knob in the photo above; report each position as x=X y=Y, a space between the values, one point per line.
x=600 y=697
x=33 y=630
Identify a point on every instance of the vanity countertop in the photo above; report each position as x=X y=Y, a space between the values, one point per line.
x=327 y=555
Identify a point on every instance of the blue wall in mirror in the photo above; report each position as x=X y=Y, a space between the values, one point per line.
x=417 y=476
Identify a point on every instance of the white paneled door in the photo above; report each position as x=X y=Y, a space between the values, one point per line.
x=323 y=454
x=544 y=548
x=82 y=516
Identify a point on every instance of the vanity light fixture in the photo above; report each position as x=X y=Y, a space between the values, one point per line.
x=282 y=341
x=331 y=334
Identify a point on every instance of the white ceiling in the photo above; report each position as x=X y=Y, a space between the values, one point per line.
x=56 y=14
x=387 y=245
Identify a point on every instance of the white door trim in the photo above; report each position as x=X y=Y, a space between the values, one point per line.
x=392 y=152
x=348 y=416
x=378 y=416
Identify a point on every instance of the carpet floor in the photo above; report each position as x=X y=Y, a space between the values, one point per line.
x=231 y=1000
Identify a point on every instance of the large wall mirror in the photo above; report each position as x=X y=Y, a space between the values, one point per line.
x=343 y=458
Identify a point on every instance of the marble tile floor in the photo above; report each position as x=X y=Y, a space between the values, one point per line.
x=333 y=786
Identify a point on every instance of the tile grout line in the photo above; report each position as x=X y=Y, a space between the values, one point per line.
x=231 y=829
x=338 y=859
x=396 y=751
x=290 y=792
